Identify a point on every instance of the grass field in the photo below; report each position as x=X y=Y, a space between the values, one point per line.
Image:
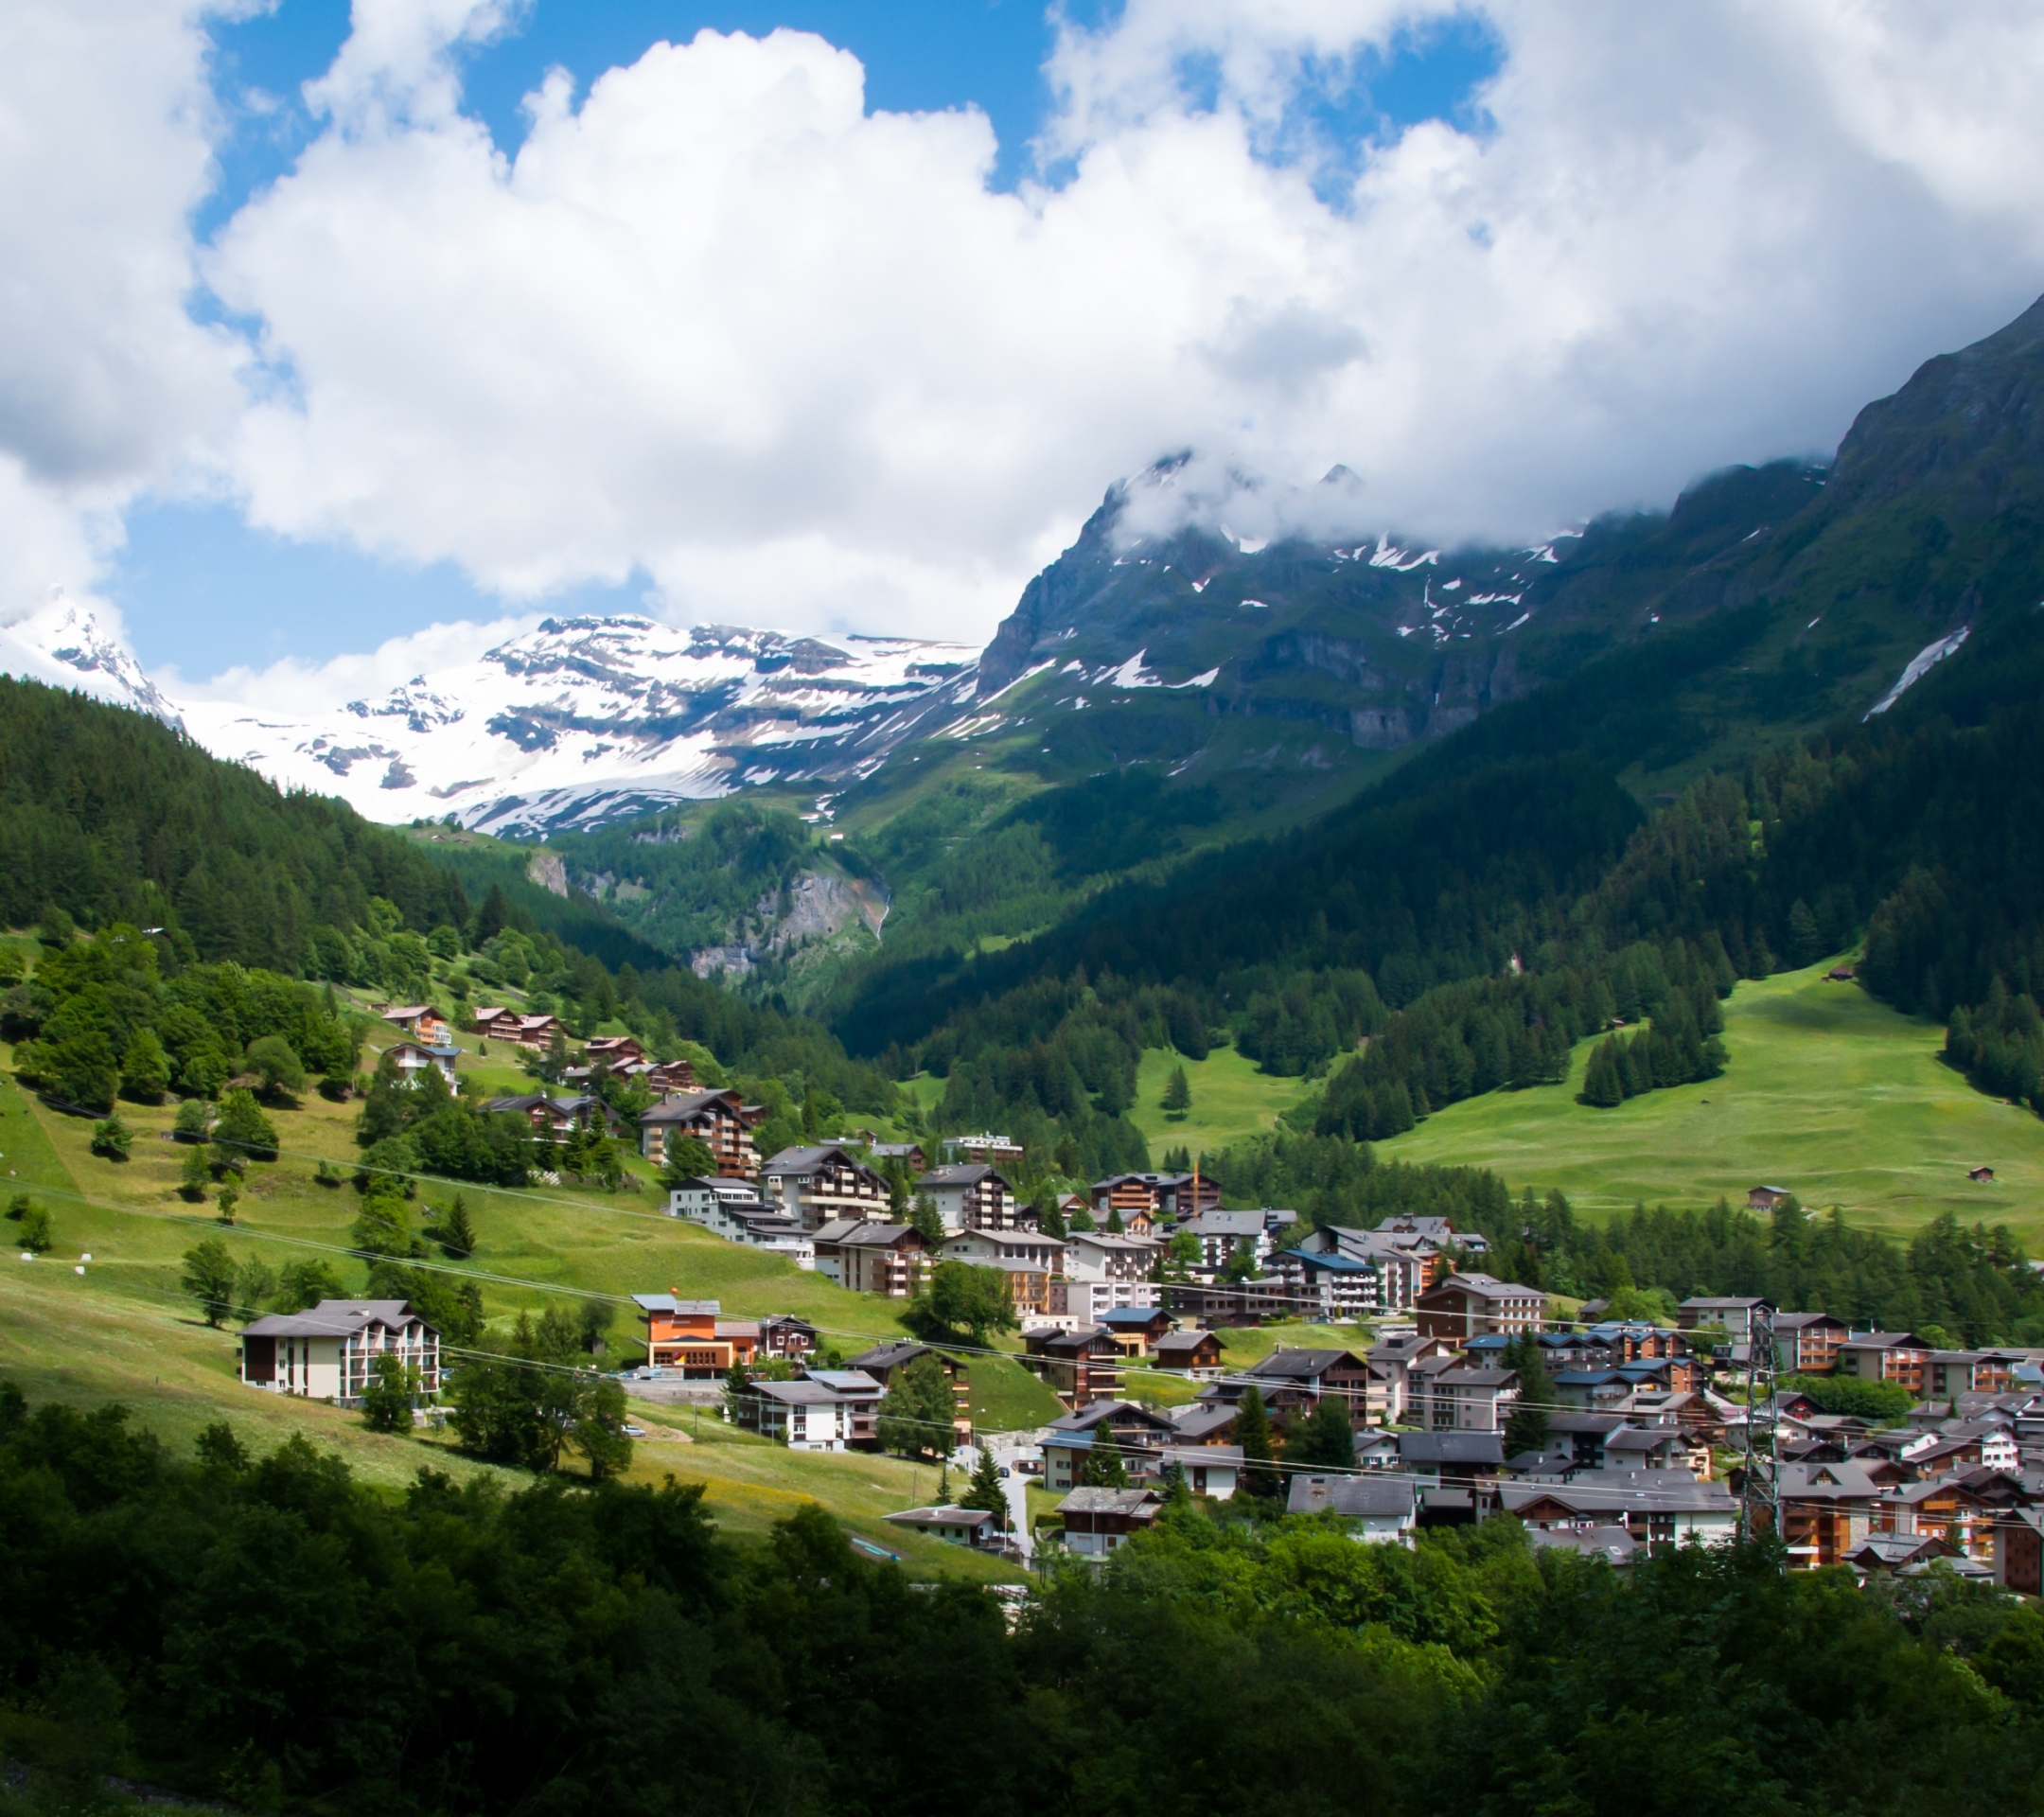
x=1231 y=1100
x=1828 y=1093
x=123 y=1330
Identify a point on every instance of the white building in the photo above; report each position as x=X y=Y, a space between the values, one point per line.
x=329 y=1352
x=1104 y=1273
x=1381 y=1511
x=826 y=1410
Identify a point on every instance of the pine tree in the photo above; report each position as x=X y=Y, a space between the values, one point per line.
x=1253 y=1433
x=1325 y=1441
x=987 y=1491
x=1104 y=1467
x=1525 y=1427
x=927 y=1224
x=457 y=1230
x=1177 y=1095
x=1603 y=1086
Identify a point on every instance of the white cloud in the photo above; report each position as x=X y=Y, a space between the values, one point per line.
x=106 y=384
x=801 y=366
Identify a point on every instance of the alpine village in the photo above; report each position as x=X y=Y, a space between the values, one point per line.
x=1402 y=1232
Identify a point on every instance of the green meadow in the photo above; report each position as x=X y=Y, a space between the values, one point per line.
x=1231 y=1100
x=1828 y=1093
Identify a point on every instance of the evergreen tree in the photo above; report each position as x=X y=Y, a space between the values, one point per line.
x=1806 y=939
x=195 y=1175
x=1104 y=1467
x=737 y=1389
x=924 y=1220
x=1603 y=1084
x=1177 y=1487
x=1526 y=1426
x=1325 y=1439
x=1115 y=1227
x=457 y=1230
x=1253 y=1433
x=1177 y=1095
x=987 y=1491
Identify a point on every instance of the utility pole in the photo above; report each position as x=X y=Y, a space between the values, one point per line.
x=1760 y=1497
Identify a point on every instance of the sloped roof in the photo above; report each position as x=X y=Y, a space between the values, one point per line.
x=1374 y=1497
x=335 y=1318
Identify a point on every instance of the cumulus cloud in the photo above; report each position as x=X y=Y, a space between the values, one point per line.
x=715 y=321
x=106 y=381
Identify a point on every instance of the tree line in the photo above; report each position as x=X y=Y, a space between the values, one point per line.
x=268 y=1630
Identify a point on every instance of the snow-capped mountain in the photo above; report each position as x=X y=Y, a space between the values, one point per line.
x=578 y=721
x=583 y=720
x=66 y=645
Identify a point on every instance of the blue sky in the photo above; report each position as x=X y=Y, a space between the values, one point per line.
x=200 y=590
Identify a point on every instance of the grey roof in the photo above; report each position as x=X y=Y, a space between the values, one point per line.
x=1302 y=1364
x=1642 y=1438
x=1795 y=1321
x=1475 y=1378
x=1381 y=1497
x=1184 y=1341
x=1610 y=1543
x=890 y=1356
x=963 y=1174
x=805 y=1160
x=335 y=1318
x=1134 y=1502
x=1484 y=1287
x=1826 y=1482
x=861 y=1233
x=947 y=1516
x=1719 y=1302
x=844 y=1381
x=1195 y=1422
x=1450 y=1448
x=687 y=1106
x=1094 y=1412
x=1590 y=1493
x=819 y=1390
x=668 y=1304
x=1227 y=1224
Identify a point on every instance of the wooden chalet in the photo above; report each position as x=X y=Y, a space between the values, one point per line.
x=1079 y=1366
x=721 y=1120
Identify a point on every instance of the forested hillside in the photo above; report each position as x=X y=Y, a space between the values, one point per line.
x=1507 y=891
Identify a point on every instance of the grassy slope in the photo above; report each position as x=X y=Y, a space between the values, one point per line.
x=1231 y=1100
x=1828 y=1093
x=123 y=1330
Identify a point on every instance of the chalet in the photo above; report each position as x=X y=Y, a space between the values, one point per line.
x=825 y=1410
x=1331 y=1289
x=1657 y=1447
x=682 y=1335
x=818 y=1186
x=1466 y=1399
x=1099 y=1521
x=1376 y=1512
x=1952 y=1373
x=1881 y=1555
x=1293 y=1381
x=1827 y=1511
x=1193 y=1353
x=885 y=1360
x=1807 y=1342
x=784 y=1335
x=907 y=1154
x=1210 y=1470
x=1217 y=1303
x=972 y=1526
x=1767 y=1198
x=1204 y=1423
x=545 y=1120
x=1137 y=1328
x=1079 y=1366
x=329 y=1352
x=2018 y=1551
x=720 y=1120
x=1032 y=1264
x=421 y=1021
x=1438 y=1233
x=970 y=1197
x=1735 y=1315
x=1980 y=1176
x=1138 y=1436
x=1885 y=1357
x=1391 y=1360
x=1223 y=1235
x=415 y=1061
x=1449 y=1458
x=1462 y=1306
x=537 y=1031
x=1161 y=1195
x=612 y=1051
x=728 y=1209
x=871 y=1258
x=1660 y=1508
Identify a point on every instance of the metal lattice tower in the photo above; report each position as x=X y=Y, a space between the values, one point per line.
x=1760 y=1500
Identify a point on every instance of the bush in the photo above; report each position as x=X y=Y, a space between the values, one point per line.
x=243 y=1130
x=37 y=1233
x=194 y=1120
x=1848 y=1394
x=386 y=1402
x=112 y=1138
x=272 y=1060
